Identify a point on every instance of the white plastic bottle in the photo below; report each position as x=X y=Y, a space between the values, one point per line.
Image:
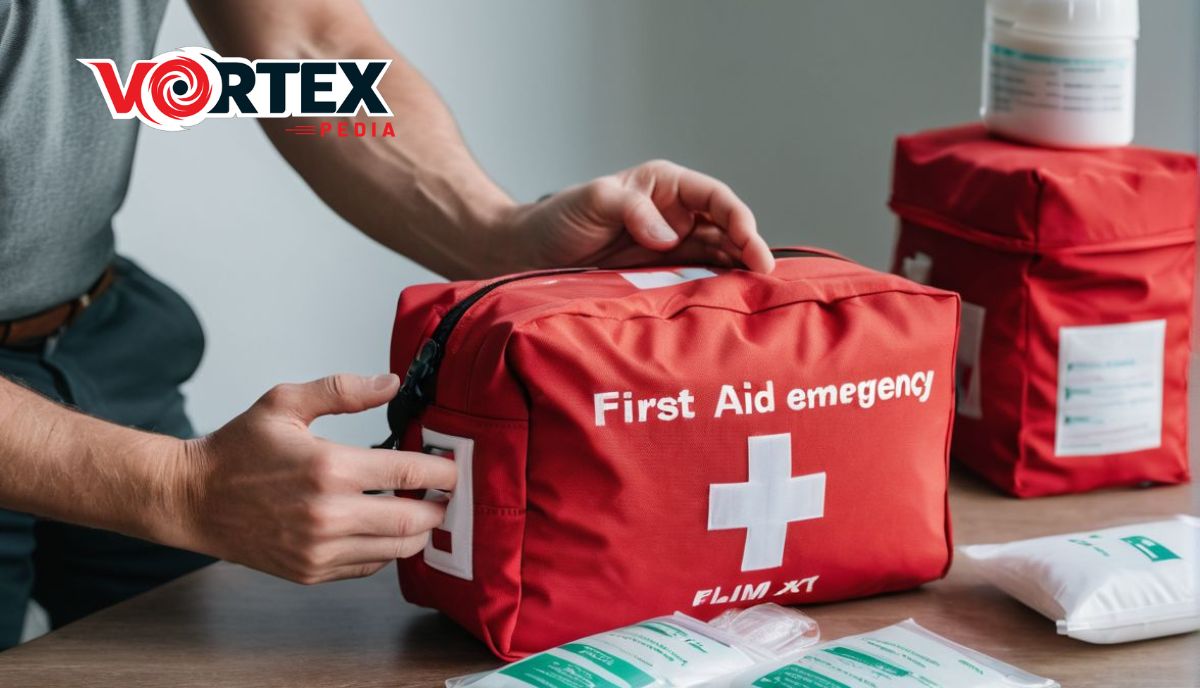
x=1060 y=73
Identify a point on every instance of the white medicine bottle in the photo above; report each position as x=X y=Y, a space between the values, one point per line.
x=1060 y=73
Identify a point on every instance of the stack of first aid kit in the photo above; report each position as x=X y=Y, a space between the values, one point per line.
x=633 y=443
x=1075 y=269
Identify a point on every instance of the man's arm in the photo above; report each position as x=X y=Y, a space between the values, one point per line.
x=261 y=491
x=423 y=195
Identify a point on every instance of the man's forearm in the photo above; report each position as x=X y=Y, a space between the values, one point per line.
x=423 y=195
x=420 y=193
x=58 y=463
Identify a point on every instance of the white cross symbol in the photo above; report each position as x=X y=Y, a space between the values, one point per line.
x=765 y=504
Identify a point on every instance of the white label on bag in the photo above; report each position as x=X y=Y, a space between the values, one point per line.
x=654 y=280
x=917 y=267
x=452 y=554
x=966 y=370
x=1110 y=388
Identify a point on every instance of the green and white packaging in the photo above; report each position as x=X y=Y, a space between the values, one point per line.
x=1107 y=586
x=903 y=655
x=669 y=651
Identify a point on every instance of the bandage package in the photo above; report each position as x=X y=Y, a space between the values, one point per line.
x=1107 y=586
x=1075 y=269
x=631 y=443
x=903 y=655
x=674 y=651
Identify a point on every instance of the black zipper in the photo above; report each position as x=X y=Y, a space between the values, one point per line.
x=802 y=253
x=420 y=380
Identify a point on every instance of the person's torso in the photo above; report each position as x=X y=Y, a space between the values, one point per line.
x=64 y=161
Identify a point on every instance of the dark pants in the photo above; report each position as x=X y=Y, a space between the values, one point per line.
x=123 y=360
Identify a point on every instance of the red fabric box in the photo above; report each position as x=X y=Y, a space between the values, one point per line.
x=1076 y=273
x=632 y=443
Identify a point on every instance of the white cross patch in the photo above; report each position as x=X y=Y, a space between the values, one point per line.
x=765 y=504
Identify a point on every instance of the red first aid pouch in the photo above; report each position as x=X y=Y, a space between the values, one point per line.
x=633 y=443
x=1076 y=270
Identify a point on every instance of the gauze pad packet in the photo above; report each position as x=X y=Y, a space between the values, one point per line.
x=1107 y=586
x=903 y=655
x=675 y=651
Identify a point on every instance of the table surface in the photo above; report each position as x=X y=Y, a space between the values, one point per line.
x=229 y=626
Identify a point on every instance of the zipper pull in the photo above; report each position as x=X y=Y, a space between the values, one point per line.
x=414 y=394
x=421 y=371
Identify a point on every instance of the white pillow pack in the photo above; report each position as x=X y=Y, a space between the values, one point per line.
x=665 y=652
x=1108 y=586
x=902 y=655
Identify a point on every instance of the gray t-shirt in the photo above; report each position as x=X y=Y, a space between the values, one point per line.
x=64 y=161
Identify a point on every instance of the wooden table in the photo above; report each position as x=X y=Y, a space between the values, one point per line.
x=229 y=626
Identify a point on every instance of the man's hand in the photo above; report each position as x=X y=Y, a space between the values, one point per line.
x=262 y=491
x=655 y=213
x=265 y=492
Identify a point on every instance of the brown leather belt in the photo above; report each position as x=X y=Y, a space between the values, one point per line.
x=39 y=326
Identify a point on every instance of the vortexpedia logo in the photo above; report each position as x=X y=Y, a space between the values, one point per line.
x=181 y=88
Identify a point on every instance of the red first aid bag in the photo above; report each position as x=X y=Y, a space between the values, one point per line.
x=1075 y=269
x=633 y=443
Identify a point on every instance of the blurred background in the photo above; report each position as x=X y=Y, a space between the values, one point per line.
x=794 y=104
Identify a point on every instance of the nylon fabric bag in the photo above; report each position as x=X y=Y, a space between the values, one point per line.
x=633 y=443
x=1076 y=273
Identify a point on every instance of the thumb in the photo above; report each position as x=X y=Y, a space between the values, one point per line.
x=343 y=393
x=646 y=224
x=642 y=219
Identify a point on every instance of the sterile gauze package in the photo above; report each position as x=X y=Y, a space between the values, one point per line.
x=1109 y=586
x=675 y=651
x=903 y=655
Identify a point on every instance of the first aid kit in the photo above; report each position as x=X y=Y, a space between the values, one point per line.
x=1105 y=586
x=903 y=655
x=1075 y=269
x=674 y=651
x=633 y=443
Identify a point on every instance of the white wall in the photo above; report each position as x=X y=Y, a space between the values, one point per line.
x=794 y=103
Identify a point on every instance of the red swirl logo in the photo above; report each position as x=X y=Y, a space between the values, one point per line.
x=180 y=88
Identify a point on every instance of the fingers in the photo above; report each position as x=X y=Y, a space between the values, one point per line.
x=364 y=549
x=682 y=199
x=703 y=194
x=354 y=536
x=342 y=393
x=387 y=516
x=359 y=557
x=352 y=571
x=387 y=469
